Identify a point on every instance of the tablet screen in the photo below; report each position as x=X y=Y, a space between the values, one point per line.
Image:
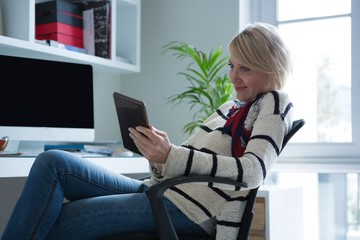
x=131 y=113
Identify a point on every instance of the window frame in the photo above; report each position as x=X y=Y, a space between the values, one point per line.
x=317 y=153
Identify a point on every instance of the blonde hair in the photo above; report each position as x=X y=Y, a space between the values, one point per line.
x=260 y=48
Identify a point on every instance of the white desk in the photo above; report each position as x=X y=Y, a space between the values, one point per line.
x=20 y=166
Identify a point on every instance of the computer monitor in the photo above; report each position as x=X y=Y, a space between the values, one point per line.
x=47 y=101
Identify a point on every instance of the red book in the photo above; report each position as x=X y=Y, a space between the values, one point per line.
x=58 y=27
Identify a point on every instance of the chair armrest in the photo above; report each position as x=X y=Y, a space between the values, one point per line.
x=155 y=194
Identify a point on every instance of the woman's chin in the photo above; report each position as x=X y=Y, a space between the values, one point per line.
x=242 y=98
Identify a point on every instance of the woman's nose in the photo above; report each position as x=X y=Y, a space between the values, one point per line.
x=235 y=77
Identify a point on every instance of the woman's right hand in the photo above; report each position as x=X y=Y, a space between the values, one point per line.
x=153 y=144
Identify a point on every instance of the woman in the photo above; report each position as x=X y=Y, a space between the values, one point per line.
x=239 y=141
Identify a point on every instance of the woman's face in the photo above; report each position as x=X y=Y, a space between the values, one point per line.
x=247 y=83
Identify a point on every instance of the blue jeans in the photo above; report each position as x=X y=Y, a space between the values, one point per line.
x=100 y=202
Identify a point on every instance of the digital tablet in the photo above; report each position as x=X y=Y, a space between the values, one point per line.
x=131 y=113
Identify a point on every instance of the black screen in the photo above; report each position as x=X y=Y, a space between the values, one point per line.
x=41 y=93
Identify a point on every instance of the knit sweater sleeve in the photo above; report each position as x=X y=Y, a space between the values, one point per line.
x=208 y=151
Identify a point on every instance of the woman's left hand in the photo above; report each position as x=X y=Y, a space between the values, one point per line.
x=153 y=144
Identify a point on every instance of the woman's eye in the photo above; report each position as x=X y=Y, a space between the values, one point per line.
x=231 y=65
x=244 y=69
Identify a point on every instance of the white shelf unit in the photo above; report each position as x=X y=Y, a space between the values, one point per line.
x=18 y=19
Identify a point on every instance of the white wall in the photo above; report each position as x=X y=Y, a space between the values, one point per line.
x=106 y=123
x=206 y=24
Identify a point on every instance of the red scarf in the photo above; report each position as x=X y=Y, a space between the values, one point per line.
x=235 y=126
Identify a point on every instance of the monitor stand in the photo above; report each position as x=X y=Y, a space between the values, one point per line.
x=31 y=147
x=26 y=148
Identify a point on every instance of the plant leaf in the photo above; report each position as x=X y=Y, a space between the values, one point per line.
x=209 y=85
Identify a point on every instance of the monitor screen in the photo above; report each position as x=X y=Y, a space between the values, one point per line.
x=45 y=100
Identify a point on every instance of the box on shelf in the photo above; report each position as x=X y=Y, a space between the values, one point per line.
x=59 y=21
x=59 y=11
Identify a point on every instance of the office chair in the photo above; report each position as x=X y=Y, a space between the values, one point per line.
x=166 y=229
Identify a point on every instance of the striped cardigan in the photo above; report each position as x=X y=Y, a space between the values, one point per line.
x=208 y=152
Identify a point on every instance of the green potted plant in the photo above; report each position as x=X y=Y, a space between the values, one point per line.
x=209 y=83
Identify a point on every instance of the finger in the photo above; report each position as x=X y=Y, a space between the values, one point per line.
x=139 y=147
x=135 y=134
x=138 y=140
x=139 y=137
x=161 y=133
x=145 y=131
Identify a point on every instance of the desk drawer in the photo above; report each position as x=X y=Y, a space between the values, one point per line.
x=260 y=217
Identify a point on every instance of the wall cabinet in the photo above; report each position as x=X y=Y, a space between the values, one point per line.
x=18 y=39
x=278 y=214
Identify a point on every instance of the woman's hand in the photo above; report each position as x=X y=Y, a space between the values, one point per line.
x=153 y=144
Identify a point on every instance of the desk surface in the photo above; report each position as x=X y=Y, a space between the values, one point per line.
x=20 y=166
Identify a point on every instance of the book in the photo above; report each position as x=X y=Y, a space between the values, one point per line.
x=88 y=31
x=102 y=22
x=108 y=149
x=53 y=43
x=59 y=27
x=66 y=147
x=80 y=147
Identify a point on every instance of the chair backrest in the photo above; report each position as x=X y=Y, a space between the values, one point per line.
x=297 y=124
x=248 y=215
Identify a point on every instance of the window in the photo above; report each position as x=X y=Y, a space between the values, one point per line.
x=322 y=36
x=320 y=41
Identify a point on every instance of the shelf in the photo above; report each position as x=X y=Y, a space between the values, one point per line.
x=19 y=37
x=20 y=48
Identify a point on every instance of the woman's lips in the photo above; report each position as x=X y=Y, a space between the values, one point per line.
x=239 y=88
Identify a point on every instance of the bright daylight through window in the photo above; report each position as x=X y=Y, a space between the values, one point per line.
x=319 y=36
